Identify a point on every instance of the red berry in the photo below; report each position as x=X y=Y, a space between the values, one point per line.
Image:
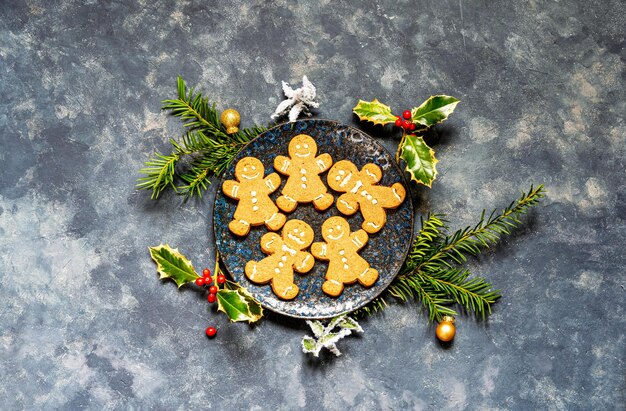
x=211 y=298
x=200 y=281
x=221 y=279
x=211 y=331
x=398 y=122
x=206 y=273
x=406 y=114
x=412 y=127
x=212 y=289
x=406 y=124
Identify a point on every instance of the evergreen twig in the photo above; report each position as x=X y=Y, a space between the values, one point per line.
x=211 y=149
x=432 y=273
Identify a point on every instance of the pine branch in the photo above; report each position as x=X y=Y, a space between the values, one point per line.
x=470 y=241
x=211 y=149
x=432 y=274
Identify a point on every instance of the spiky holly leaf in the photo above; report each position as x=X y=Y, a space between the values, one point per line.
x=434 y=110
x=374 y=111
x=172 y=264
x=239 y=305
x=420 y=160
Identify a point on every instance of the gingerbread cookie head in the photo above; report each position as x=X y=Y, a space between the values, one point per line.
x=335 y=229
x=341 y=174
x=249 y=169
x=297 y=234
x=302 y=147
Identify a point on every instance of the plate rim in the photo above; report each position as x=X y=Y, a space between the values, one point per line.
x=394 y=164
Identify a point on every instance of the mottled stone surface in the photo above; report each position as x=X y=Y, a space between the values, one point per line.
x=86 y=324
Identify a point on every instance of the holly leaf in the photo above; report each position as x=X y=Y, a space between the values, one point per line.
x=172 y=264
x=434 y=110
x=420 y=160
x=374 y=111
x=239 y=305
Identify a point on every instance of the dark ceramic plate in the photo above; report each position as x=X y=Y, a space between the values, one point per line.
x=385 y=251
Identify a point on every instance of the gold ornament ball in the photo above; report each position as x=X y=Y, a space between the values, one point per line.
x=230 y=118
x=446 y=330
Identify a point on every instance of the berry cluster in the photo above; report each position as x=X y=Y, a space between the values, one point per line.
x=405 y=121
x=207 y=280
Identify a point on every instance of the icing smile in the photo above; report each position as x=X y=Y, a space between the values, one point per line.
x=294 y=238
x=337 y=237
x=303 y=155
x=250 y=177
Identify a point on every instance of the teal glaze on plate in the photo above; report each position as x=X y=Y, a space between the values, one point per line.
x=385 y=250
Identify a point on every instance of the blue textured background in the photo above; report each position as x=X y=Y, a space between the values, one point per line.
x=84 y=321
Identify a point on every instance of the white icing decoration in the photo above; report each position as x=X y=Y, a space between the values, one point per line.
x=320 y=164
x=338 y=178
x=250 y=178
x=345 y=266
x=396 y=194
x=369 y=173
x=373 y=225
x=287 y=290
x=306 y=258
x=356 y=187
x=357 y=242
x=270 y=184
x=304 y=186
x=374 y=201
x=342 y=252
x=348 y=206
x=285 y=165
x=341 y=172
x=363 y=193
x=345 y=179
x=254 y=200
x=244 y=222
x=303 y=178
x=277 y=270
x=289 y=250
x=344 y=259
x=323 y=249
x=284 y=258
x=369 y=197
x=303 y=171
x=280 y=264
x=235 y=190
x=253 y=193
x=255 y=208
x=294 y=238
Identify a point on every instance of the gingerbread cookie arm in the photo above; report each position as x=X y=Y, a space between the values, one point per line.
x=272 y=182
x=393 y=196
x=320 y=250
x=230 y=188
x=347 y=204
x=323 y=162
x=359 y=239
x=303 y=262
x=372 y=173
x=281 y=164
x=271 y=243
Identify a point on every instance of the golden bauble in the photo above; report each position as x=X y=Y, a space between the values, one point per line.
x=230 y=118
x=446 y=330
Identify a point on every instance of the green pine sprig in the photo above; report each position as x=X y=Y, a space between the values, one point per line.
x=433 y=274
x=205 y=143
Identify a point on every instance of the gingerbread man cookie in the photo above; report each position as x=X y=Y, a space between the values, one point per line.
x=252 y=190
x=341 y=248
x=304 y=184
x=285 y=256
x=362 y=192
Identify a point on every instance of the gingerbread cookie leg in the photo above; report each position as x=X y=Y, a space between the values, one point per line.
x=257 y=274
x=323 y=201
x=239 y=227
x=332 y=287
x=275 y=222
x=368 y=277
x=286 y=203
x=283 y=285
